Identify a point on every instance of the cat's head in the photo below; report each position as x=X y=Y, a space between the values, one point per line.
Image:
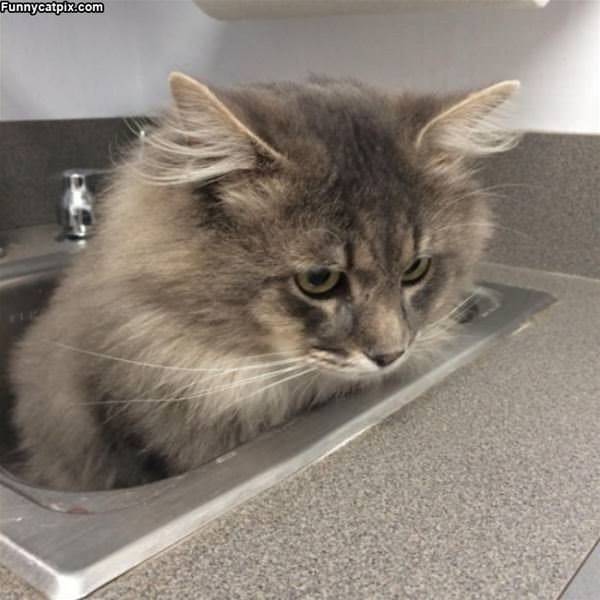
x=327 y=219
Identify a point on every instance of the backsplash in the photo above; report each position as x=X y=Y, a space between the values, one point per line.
x=549 y=187
x=33 y=155
x=548 y=210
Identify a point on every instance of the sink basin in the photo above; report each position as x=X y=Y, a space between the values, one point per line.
x=68 y=544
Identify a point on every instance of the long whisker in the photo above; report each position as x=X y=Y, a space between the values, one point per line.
x=452 y=312
x=203 y=393
x=300 y=365
x=113 y=414
x=484 y=224
x=442 y=331
x=289 y=378
x=171 y=367
x=294 y=376
x=500 y=186
x=307 y=385
x=428 y=340
x=490 y=193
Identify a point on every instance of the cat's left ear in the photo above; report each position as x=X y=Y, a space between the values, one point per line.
x=472 y=126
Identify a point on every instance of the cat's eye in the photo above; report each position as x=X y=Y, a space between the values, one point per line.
x=417 y=270
x=318 y=281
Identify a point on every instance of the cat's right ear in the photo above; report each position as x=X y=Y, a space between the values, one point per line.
x=202 y=140
x=472 y=126
x=195 y=102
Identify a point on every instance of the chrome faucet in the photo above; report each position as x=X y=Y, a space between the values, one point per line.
x=76 y=207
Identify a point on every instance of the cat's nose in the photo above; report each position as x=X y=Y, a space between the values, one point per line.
x=385 y=358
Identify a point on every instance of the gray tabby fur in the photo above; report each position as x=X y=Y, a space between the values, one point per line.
x=180 y=333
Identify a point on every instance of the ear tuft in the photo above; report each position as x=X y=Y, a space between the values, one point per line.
x=201 y=140
x=473 y=126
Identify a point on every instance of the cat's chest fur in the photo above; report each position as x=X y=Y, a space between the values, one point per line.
x=189 y=418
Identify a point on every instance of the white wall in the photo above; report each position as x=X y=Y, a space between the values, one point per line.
x=117 y=63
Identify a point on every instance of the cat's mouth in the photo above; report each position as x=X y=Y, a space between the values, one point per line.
x=356 y=364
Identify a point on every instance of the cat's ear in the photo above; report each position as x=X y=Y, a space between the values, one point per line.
x=472 y=126
x=201 y=140
x=194 y=99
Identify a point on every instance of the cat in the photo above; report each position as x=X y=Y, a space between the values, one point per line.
x=272 y=246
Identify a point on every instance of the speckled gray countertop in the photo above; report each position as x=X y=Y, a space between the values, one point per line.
x=485 y=487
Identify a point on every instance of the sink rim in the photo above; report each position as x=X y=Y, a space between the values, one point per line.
x=117 y=532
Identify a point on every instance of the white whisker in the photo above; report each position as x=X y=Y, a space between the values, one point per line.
x=485 y=224
x=170 y=367
x=206 y=392
x=289 y=378
x=449 y=314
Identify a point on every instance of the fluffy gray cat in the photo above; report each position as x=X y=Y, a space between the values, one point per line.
x=272 y=246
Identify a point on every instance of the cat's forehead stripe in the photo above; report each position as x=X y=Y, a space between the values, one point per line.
x=383 y=246
x=349 y=249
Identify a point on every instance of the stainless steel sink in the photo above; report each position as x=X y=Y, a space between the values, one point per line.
x=68 y=544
